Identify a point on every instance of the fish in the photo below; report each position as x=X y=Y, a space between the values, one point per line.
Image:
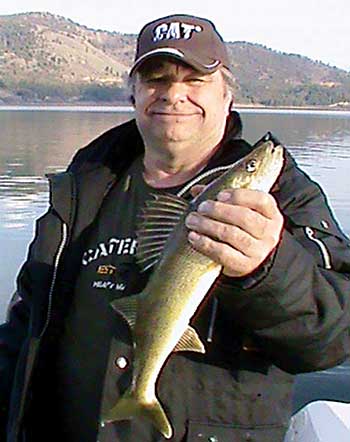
x=160 y=315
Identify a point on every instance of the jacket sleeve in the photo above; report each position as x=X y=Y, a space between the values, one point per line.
x=296 y=307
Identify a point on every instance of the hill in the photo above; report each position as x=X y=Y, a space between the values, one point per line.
x=49 y=58
x=274 y=78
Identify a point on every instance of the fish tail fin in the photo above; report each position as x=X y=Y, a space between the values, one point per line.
x=128 y=407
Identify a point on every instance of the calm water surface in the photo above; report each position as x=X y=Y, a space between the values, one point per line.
x=36 y=142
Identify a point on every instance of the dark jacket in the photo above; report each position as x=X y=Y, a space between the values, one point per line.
x=290 y=316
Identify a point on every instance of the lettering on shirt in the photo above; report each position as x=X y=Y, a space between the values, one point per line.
x=120 y=286
x=106 y=270
x=114 y=246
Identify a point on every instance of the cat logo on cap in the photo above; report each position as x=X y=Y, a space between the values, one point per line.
x=175 y=31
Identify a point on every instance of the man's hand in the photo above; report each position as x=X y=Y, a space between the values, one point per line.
x=239 y=230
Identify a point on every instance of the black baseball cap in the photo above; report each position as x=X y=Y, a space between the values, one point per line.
x=193 y=40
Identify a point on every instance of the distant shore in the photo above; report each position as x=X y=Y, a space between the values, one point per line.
x=122 y=107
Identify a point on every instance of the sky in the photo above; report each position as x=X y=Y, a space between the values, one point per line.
x=318 y=29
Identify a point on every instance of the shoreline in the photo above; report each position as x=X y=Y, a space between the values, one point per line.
x=124 y=108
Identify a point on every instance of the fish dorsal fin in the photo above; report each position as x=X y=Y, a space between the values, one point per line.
x=190 y=341
x=127 y=307
x=156 y=222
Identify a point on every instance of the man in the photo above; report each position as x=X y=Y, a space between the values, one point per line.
x=280 y=306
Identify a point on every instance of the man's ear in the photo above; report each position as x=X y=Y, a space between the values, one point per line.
x=229 y=102
x=232 y=102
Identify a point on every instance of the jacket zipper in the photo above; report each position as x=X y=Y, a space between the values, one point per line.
x=214 y=310
x=57 y=260
x=310 y=233
x=64 y=239
x=60 y=249
x=200 y=177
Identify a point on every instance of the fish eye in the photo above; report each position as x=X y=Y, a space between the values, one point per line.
x=251 y=166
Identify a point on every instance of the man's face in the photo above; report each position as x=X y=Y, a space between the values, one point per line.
x=178 y=107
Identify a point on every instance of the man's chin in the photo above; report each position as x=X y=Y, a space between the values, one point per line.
x=174 y=142
x=173 y=137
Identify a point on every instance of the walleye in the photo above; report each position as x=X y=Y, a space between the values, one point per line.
x=160 y=316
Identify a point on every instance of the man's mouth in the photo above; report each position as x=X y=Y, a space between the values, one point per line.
x=174 y=114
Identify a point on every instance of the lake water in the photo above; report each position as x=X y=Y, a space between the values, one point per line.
x=36 y=141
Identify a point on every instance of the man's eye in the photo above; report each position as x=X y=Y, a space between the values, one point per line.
x=196 y=80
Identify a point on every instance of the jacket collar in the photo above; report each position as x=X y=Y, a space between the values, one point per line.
x=76 y=195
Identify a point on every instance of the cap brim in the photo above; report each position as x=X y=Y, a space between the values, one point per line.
x=178 y=55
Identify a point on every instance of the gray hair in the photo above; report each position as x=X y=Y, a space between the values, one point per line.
x=229 y=79
x=230 y=82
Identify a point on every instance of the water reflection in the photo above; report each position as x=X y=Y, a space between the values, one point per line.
x=298 y=129
x=20 y=196
x=34 y=144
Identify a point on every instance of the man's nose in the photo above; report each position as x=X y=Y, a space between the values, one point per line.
x=174 y=92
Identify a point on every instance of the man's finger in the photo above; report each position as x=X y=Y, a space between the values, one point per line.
x=261 y=202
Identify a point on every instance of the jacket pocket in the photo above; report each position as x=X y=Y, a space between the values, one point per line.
x=204 y=432
x=321 y=236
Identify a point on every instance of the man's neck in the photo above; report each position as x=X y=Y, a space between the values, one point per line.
x=169 y=171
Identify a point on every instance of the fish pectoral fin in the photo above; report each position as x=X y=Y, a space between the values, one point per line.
x=156 y=222
x=190 y=341
x=127 y=307
x=129 y=407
